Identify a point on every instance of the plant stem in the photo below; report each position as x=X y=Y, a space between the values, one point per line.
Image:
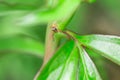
x=70 y=7
x=61 y=15
x=49 y=44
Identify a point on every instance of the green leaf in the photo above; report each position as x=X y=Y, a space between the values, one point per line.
x=63 y=65
x=13 y=22
x=90 y=71
x=108 y=46
x=67 y=64
x=24 y=45
x=99 y=61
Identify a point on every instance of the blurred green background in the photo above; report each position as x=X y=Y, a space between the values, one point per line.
x=22 y=49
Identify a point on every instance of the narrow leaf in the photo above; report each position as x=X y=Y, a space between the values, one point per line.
x=99 y=61
x=63 y=65
x=67 y=64
x=108 y=46
x=90 y=71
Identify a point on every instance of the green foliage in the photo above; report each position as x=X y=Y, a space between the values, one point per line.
x=99 y=61
x=64 y=63
x=90 y=71
x=20 y=27
x=108 y=46
x=70 y=65
x=21 y=54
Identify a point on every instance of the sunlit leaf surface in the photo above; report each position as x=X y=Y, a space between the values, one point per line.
x=90 y=71
x=63 y=65
x=108 y=46
x=67 y=64
x=99 y=61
